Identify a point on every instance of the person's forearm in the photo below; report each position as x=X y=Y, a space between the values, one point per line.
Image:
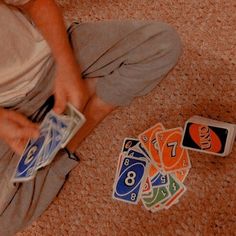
x=95 y=106
x=48 y=18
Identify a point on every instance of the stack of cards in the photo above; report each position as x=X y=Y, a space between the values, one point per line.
x=209 y=136
x=152 y=168
x=55 y=132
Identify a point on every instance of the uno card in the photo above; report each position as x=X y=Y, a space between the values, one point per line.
x=134 y=153
x=206 y=138
x=157 y=207
x=132 y=147
x=176 y=190
x=173 y=156
x=51 y=147
x=148 y=140
x=78 y=120
x=158 y=178
x=119 y=162
x=130 y=180
x=26 y=168
x=147 y=187
x=60 y=122
x=159 y=195
x=137 y=154
x=129 y=143
x=181 y=174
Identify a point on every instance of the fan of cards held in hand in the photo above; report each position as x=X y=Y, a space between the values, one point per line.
x=154 y=166
x=55 y=133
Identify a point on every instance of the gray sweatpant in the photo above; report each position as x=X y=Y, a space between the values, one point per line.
x=129 y=58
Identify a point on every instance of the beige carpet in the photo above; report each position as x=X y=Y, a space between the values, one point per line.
x=203 y=83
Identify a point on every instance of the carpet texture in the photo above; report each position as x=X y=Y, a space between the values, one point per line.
x=203 y=83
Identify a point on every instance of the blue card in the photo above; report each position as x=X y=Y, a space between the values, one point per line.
x=51 y=146
x=136 y=154
x=159 y=180
x=129 y=143
x=144 y=151
x=130 y=180
x=138 y=151
x=59 y=122
x=26 y=168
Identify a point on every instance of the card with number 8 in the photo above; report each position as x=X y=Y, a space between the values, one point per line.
x=130 y=180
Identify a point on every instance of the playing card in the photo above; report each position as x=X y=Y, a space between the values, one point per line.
x=130 y=180
x=26 y=168
x=147 y=188
x=159 y=195
x=148 y=140
x=62 y=123
x=209 y=136
x=157 y=207
x=173 y=157
x=51 y=147
x=158 y=178
x=132 y=147
x=181 y=174
x=119 y=163
x=78 y=121
x=176 y=190
x=129 y=143
x=55 y=127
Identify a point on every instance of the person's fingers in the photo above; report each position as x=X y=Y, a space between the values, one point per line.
x=79 y=97
x=75 y=100
x=20 y=119
x=25 y=133
x=60 y=101
x=17 y=145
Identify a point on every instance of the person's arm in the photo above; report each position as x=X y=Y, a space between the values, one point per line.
x=69 y=87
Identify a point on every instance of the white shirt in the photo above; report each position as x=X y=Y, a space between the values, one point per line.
x=24 y=55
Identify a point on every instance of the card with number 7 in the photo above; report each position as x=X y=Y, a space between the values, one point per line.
x=173 y=156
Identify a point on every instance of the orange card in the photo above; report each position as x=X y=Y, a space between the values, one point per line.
x=172 y=156
x=181 y=174
x=148 y=140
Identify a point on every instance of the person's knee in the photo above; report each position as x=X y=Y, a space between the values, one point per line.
x=97 y=109
x=174 y=42
x=168 y=40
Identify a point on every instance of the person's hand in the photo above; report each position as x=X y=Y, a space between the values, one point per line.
x=16 y=130
x=69 y=88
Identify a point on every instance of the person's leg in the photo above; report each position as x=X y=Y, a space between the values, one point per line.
x=128 y=58
x=95 y=111
x=22 y=203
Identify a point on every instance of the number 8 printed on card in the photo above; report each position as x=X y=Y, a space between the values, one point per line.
x=130 y=180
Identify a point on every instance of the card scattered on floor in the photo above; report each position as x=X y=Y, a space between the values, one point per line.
x=55 y=132
x=154 y=167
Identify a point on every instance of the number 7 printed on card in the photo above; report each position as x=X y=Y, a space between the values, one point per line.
x=172 y=156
